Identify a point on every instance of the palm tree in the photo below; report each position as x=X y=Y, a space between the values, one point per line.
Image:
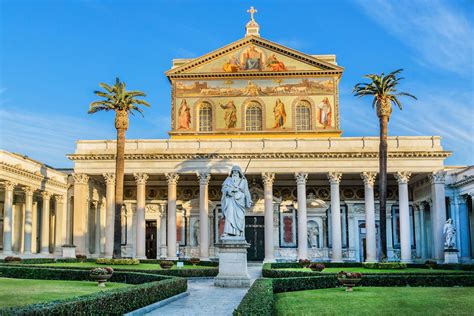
x=383 y=89
x=122 y=102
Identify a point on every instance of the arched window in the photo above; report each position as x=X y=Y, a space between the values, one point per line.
x=253 y=117
x=303 y=116
x=205 y=117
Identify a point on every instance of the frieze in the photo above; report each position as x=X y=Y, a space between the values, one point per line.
x=263 y=156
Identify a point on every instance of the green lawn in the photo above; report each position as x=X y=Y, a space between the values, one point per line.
x=141 y=266
x=362 y=270
x=17 y=292
x=377 y=301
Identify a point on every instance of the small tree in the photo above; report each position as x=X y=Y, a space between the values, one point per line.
x=116 y=98
x=383 y=89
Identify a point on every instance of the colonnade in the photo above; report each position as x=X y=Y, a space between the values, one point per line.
x=437 y=214
x=29 y=221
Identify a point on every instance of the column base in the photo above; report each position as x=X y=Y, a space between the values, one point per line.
x=337 y=260
x=7 y=253
x=270 y=260
x=407 y=261
x=140 y=257
x=172 y=258
x=204 y=259
x=371 y=261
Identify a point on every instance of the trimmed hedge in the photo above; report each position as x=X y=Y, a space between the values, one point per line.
x=186 y=262
x=258 y=300
x=117 y=261
x=149 y=289
x=384 y=265
x=183 y=273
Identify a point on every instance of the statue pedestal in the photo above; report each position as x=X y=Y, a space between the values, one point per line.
x=232 y=263
x=451 y=255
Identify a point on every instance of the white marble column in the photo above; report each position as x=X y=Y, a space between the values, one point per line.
x=371 y=231
x=140 y=179
x=404 y=211
x=45 y=218
x=301 y=178
x=268 y=179
x=28 y=219
x=336 y=232
x=172 y=179
x=60 y=223
x=203 y=215
x=417 y=218
x=81 y=211
x=8 y=217
x=109 y=213
x=423 y=229
x=464 y=229
x=437 y=180
x=163 y=231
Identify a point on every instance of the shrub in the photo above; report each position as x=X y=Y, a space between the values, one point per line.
x=149 y=289
x=349 y=275
x=194 y=261
x=258 y=300
x=81 y=258
x=317 y=267
x=384 y=265
x=100 y=271
x=12 y=259
x=304 y=263
x=117 y=261
x=166 y=264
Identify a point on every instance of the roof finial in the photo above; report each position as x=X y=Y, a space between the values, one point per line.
x=252 y=11
x=252 y=27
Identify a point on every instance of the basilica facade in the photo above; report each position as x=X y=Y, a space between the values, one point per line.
x=274 y=112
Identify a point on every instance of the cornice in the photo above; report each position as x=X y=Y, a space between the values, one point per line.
x=463 y=181
x=273 y=155
x=31 y=175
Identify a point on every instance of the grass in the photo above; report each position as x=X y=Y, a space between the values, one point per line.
x=383 y=271
x=18 y=292
x=141 y=266
x=377 y=301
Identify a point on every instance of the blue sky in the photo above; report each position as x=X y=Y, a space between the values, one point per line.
x=53 y=54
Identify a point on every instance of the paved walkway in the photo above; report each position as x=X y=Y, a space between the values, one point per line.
x=206 y=299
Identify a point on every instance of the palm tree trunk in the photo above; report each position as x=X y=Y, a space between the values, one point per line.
x=119 y=172
x=383 y=184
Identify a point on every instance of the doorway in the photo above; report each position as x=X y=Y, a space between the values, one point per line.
x=254 y=234
x=150 y=243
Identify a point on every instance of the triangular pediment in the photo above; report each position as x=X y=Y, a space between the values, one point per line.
x=253 y=55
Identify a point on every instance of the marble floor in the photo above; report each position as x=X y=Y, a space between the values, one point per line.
x=206 y=299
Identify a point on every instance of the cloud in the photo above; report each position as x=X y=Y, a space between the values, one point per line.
x=440 y=33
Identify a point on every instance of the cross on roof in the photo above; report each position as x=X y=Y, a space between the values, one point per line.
x=252 y=11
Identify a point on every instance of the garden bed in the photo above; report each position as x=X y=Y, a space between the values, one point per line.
x=148 y=289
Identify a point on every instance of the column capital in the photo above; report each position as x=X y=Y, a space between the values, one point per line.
x=109 y=178
x=45 y=195
x=140 y=177
x=268 y=178
x=369 y=178
x=80 y=178
x=172 y=178
x=28 y=190
x=59 y=198
x=203 y=177
x=334 y=177
x=462 y=198
x=402 y=177
x=301 y=177
x=437 y=177
x=418 y=206
x=9 y=185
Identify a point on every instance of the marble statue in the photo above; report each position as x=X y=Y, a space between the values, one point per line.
x=235 y=200
x=450 y=234
x=313 y=234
